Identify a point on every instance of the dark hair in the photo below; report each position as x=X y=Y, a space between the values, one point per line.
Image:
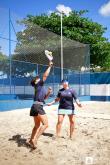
x=64 y=80
x=34 y=79
x=37 y=76
x=33 y=82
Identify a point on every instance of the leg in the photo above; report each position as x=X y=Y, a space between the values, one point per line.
x=71 y=119
x=44 y=120
x=34 y=131
x=59 y=124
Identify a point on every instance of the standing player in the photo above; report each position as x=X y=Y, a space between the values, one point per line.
x=66 y=107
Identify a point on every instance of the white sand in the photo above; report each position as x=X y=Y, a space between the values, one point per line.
x=90 y=145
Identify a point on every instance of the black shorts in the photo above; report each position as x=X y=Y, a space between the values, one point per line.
x=37 y=109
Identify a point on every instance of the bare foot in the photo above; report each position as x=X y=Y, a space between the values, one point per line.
x=31 y=144
x=72 y=137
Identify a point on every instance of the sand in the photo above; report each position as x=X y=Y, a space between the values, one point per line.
x=90 y=144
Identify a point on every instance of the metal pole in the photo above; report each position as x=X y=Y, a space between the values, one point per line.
x=53 y=81
x=61 y=46
x=37 y=69
x=10 y=69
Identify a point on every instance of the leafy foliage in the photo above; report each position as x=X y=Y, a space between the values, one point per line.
x=76 y=27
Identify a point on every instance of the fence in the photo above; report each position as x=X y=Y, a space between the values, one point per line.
x=22 y=55
x=96 y=85
x=22 y=73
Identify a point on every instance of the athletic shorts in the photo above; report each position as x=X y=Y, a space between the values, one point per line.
x=37 y=109
x=66 y=112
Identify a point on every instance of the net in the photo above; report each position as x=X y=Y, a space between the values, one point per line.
x=23 y=46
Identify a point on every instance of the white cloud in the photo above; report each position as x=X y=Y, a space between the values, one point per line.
x=105 y=9
x=50 y=12
x=65 y=9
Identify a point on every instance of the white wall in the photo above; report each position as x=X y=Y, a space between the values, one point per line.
x=93 y=90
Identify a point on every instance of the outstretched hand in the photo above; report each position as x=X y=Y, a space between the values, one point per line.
x=80 y=105
x=50 y=90
x=49 y=104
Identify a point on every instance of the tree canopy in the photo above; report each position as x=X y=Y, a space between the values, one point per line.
x=75 y=27
x=2 y=56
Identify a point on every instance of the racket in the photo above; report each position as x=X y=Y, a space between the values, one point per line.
x=49 y=55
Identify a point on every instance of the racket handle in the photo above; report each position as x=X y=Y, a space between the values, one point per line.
x=50 y=63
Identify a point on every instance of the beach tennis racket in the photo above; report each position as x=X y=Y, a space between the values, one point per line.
x=49 y=55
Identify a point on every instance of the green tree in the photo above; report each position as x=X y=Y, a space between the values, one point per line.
x=2 y=56
x=3 y=63
x=75 y=27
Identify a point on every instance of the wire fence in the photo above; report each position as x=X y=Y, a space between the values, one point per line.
x=22 y=46
x=23 y=72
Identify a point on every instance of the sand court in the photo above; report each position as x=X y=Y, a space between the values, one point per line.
x=91 y=141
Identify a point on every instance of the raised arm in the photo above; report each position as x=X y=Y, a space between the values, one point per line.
x=45 y=75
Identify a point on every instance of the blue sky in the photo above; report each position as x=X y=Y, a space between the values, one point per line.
x=25 y=7
x=43 y=6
